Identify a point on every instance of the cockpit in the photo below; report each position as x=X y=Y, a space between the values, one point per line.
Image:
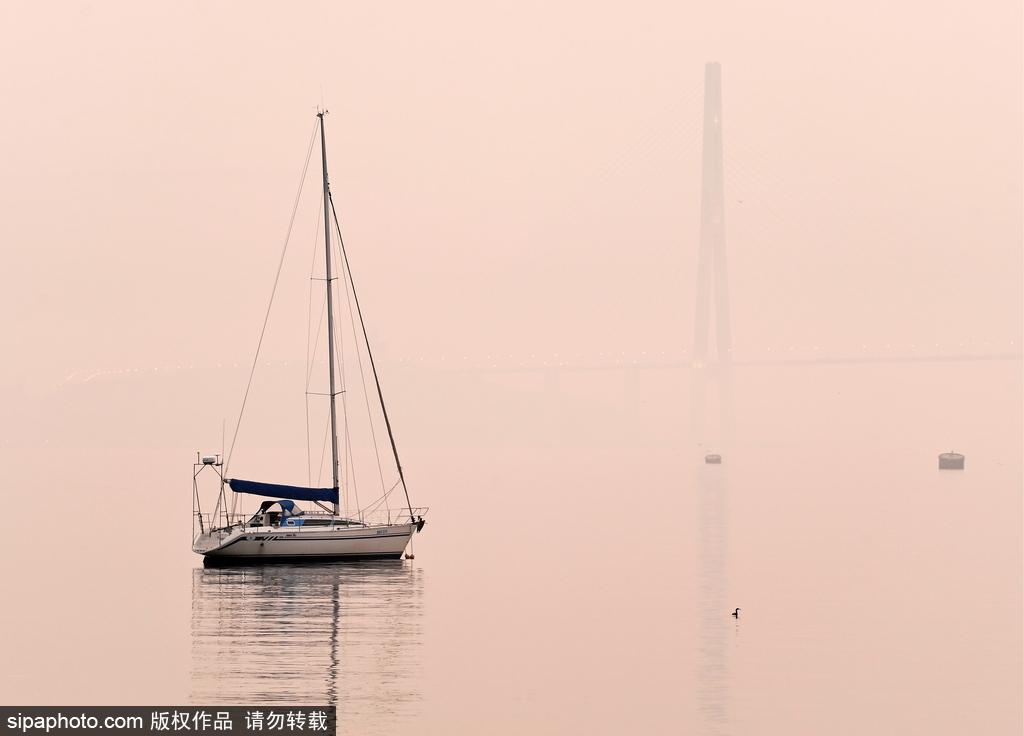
x=287 y=513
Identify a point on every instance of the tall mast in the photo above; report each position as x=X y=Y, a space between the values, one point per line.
x=330 y=307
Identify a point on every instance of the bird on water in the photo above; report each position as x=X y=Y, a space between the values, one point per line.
x=736 y=613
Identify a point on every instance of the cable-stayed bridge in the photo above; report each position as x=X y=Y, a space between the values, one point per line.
x=668 y=360
x=515 y=362
x=711 y=354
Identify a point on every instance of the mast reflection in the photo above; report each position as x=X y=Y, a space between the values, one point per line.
x=344 y=634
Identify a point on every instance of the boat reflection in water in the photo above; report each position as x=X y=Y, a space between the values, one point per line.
x=344 y=634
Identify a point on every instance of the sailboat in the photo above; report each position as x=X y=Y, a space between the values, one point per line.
x=281 y=531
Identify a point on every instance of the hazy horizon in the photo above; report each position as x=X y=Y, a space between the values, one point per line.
x=508 y=185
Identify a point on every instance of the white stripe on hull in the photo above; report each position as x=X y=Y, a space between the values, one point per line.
x=253 y=543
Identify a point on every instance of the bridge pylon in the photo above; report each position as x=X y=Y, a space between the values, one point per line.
x=712 y=276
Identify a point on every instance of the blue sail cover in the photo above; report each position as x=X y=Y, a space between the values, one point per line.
x=296 y=493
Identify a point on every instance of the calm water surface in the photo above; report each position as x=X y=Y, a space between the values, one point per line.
x=344 y=634
x=578 y=579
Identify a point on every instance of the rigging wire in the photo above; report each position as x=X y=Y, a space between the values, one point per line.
x=309 y=377
x=369 y=353
x=349 y=461
x=323 y=452
x=349 y=479
x=377 y=502
x=346 y=277
x=309 y=322
x=349 y=457
x=273 y=292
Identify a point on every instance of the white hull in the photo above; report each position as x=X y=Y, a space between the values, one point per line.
x=284 y=543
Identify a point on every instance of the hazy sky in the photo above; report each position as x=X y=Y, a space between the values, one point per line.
x=514 y=177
